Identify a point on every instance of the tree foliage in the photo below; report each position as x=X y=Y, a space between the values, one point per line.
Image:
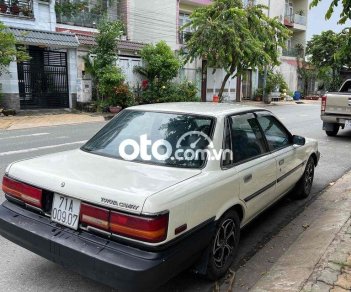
x=8 y=51
x=102 y=65
x=160 y=63
x=324 y=49
x=170 y=92
x=160 y=66
x=275 y=80
x=234 y=37
x=327 y=53
x=345 y=13
x=105 y=50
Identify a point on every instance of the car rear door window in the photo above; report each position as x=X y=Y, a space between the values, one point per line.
x=246 y=137
x=276 y=134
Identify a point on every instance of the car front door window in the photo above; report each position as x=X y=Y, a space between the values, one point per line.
x=276 y=135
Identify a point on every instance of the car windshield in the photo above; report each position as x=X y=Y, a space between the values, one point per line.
x=170 y=139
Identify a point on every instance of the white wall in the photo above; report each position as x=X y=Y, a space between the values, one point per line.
x=72 y=64
x=288 y=69
x=214 y=83
x=9 y=80
x=44 y=17
x=152 y=21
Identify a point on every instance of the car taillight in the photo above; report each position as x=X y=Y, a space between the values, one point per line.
x=24 y=192
x=94 y=216
x=149 y=229
x=324 y=103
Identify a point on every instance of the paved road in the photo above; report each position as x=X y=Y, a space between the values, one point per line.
x=22 y=270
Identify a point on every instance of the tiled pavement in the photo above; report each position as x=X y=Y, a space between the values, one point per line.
x=320 y=259
x=333 y=271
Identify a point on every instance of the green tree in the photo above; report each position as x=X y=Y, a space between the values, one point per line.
x=234 y=37
x=345 y=13
x=102 y=66
x=160 y=63
x=305 y=70
x=326 y=54
x=105 y=50
x=8 y=50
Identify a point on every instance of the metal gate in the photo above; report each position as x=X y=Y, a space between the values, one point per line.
x=43 y=80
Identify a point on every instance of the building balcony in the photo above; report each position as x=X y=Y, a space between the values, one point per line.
x=196 y=2
x=293 y=52
x=296 y=21
x=84 y=19
x=22 y=8
x=84 y=13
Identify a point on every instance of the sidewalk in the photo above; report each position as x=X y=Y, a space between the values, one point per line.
x=45 y=119
x=320 y=259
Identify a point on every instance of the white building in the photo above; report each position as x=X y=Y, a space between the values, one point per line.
x=48 y=79
x=293 y=13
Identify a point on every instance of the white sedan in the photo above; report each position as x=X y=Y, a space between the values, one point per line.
x=160 y=188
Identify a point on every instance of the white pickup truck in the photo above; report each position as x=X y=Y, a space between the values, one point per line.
x=336 y=109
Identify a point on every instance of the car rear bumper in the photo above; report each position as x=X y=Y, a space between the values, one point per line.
x=334 y=119
x=112 y=263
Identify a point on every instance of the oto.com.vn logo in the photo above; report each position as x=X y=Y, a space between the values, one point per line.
x=193 y=145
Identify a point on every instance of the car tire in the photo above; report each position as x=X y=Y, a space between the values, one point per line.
x=333 y=132
x=303 y=187
x=224 y=245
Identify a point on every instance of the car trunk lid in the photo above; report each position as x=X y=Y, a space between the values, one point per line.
x=338 y=103
x=109 y=182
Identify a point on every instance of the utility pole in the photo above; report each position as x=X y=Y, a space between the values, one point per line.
x=265 y=97
x=204 y=80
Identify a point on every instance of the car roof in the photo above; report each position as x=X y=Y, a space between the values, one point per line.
x=200 y=108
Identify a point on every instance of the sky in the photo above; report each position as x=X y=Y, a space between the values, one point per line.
x=317 y=22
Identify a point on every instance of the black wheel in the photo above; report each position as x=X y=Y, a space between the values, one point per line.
x=333 y=132
x=224 y=245
x=303 y=187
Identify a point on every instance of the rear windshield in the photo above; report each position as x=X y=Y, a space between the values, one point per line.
x=346 y=87
x=168 y=139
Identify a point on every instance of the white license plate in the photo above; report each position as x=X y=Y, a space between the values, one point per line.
x=65 y=211
x=347 y=123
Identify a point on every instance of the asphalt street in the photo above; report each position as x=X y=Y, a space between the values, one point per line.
x=21 y=270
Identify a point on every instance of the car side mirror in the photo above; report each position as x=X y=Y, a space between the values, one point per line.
x=298 y=140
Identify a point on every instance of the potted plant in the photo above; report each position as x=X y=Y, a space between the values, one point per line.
x=3 y=6
x=26 y=11
x=122 y=98
x=301 y=12
x=15 y=10
x=259 y=94
x=114 y=109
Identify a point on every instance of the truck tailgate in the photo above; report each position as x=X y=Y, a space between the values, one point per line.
x=338 y=103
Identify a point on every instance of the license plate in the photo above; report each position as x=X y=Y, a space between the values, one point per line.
x=65 y=211
x=347 y=123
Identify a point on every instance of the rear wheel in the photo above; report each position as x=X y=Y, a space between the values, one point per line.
x=334 y=131
x=224 y=245
x=303 y=187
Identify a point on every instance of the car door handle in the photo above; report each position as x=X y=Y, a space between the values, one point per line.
x=247 y=178
x=281 y=162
